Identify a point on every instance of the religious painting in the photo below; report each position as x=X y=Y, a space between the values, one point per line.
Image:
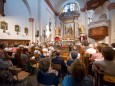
x=3 y=25
x=17 y=28
x=26 y=30
x=69 y=30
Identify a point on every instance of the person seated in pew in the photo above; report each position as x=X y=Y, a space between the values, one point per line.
x=15 y=48
x=4 y=61
x=46 y=75
x=113 y=45
x=58 y=60
x=73 y=57
x=91 y=50
x=45 y=50
x=25 y=61
x=24 y=55
x=37 y=51
x=109 y=61
x=98 y=55
x=78 y=75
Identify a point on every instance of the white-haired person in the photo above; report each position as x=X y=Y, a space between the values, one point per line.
x=37 y=51
x=91 y=50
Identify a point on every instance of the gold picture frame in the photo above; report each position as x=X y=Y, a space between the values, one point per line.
x=69 y=30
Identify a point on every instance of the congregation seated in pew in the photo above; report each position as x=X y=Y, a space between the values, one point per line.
x=56 y=59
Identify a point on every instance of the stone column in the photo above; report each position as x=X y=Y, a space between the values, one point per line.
x=31 y=20
x=111 y=8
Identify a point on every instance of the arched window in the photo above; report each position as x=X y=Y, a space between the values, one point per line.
x=70 y=7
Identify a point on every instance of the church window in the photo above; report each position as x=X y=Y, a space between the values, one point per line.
x=70 y=7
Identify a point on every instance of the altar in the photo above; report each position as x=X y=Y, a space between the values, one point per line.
x=70 y=28
x=67 y=42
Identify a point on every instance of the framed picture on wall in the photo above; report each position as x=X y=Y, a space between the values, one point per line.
x=17 y=28
x=3 y=25
x=26 y=30
x=69 y=29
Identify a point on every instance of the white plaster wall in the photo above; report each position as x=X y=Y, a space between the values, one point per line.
x=46 y=14
x=82 y=19
x=16 y=13
x=35 y=11
x=101 y=10
x=112 y=17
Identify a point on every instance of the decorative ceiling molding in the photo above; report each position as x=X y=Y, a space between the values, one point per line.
x=52 y=8
x=111 y=6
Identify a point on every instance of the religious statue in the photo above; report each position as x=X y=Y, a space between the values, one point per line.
x=47 y=31
x=82 y=37
x=57 y=31
x=81 y=29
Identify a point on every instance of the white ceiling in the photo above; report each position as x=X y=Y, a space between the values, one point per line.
x=57 y=3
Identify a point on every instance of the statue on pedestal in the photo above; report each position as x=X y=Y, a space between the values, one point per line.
x=81 y=29
x=57 y=31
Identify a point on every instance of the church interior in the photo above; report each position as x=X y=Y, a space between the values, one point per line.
x=57 y=42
